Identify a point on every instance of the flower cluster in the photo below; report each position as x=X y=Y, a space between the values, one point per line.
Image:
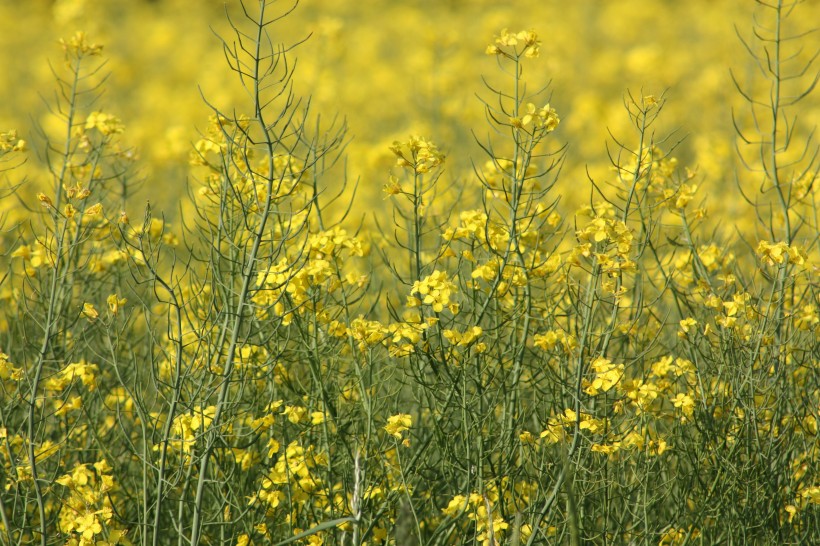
x=778 y=253
x=544 y=118
x=417 y=154
x=10 y=143
x=508 y=43
x=435 y=290
x=107 y=124
x=397 y=424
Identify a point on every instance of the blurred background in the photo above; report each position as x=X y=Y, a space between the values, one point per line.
x=398 y=68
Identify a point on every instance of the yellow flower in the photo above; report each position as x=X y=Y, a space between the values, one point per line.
x=650 y=100
x=397 y=424
x=685 y=195
x=436 y=290
x=294 y=413
x=89 y=311
x=63 y=407
x=662 y=366
x=7 y=370
x=687 y=324
x=526 y=438
x=94 y=210
x=606 y=449
x=114 y=303
x=685 y=403
x=607 y=375
x=77 y=45
x=272 y=447
x=807 y=318
x=552 y=338
x=10 y=143
x=811 y=494
x=527 y=39
x=202 y=417
x=417 y=154
x=44 y=200
x=545 y=118
x=455 y=506
x=673 y=536
x=393 y=187
x=88 y=525
x=104 y=123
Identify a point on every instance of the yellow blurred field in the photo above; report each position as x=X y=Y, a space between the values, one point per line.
x=398 y=68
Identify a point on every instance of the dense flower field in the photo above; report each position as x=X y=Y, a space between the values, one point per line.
x=442 y=272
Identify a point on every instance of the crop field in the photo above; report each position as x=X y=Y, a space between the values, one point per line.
x=410 y=273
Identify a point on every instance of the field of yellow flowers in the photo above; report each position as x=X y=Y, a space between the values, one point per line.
x=441 y=272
